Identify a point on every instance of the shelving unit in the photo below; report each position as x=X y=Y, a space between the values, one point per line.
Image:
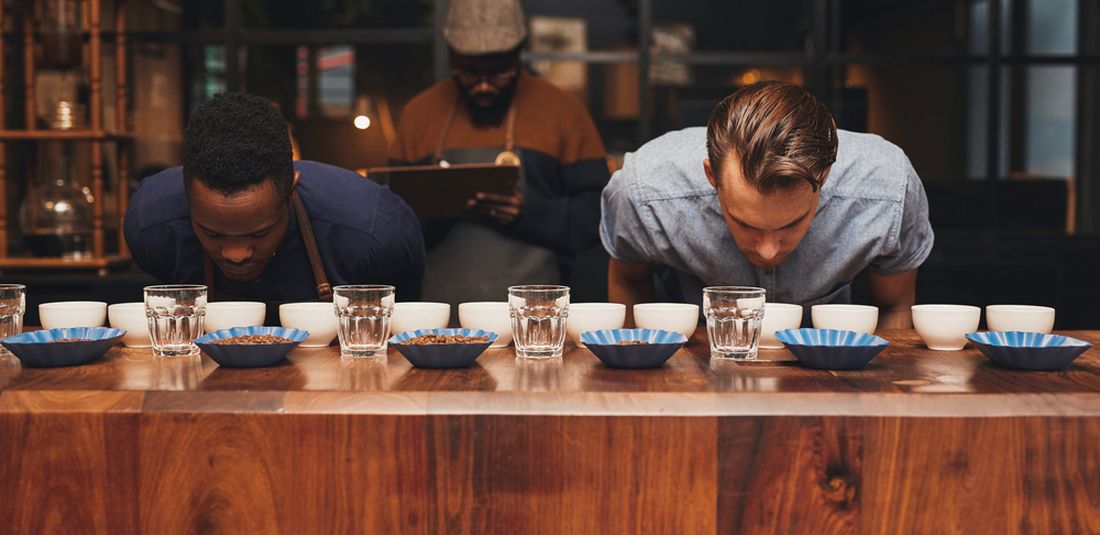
x=95 y=134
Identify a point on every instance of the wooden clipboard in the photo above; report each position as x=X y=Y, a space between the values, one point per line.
x=436 y=193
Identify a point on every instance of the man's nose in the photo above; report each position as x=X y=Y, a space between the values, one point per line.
x=768 y=249
x=236 y=253
x=483 y=87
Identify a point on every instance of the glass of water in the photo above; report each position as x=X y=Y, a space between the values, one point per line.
x=538 y=319
x=364 y=315
x=13 y=303
x=733 y=316
x=175 y=313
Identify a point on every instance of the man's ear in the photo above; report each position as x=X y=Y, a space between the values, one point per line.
x=710 y=173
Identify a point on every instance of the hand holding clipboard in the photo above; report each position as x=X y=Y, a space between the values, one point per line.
x=504 y=209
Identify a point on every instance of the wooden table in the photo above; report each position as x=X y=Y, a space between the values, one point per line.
x=918 y=442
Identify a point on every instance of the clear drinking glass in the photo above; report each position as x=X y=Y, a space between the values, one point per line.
x=13 y=303
x=364 y=312
x=733 y=316
x=538 y=319
x=175 y=313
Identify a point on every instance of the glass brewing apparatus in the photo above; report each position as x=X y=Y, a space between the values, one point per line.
x=56 y=215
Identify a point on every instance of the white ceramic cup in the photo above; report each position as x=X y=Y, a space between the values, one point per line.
x=944 y=327
x=492 y=316
x=229 y=314
x=676 y=317
x=858 y=318
x=319 y=319
x=414 y=315
x=69 y=314
x=1027 y=318
x=778 y=317
x=593 y=317
x=130 y=317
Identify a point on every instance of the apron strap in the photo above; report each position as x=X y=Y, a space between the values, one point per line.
x=324 y=289
x=447 y=129
x=510 y=127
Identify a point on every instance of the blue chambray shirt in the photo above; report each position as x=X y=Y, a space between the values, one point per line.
x=660 y=208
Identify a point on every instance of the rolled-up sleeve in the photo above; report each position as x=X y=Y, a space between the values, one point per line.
x=622 y=227
x=912 y=239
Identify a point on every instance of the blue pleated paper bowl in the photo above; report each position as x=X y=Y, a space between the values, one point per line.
x=1029 y=351
x=249 y=355
x=605 y=345
x=830 y=349
x=38 y=349
x=441 y=355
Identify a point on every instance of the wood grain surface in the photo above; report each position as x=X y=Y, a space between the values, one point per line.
x=919 y=442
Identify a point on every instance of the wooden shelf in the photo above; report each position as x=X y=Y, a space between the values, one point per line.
x=101 y=126
x=64 y=135
x=28 y=263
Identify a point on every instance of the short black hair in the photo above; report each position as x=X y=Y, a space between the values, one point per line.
x=236 y=141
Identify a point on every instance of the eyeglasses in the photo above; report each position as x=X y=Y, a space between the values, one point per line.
x=499 y=79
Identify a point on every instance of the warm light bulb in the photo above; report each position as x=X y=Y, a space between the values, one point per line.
x=750 y=77
x=362 y=122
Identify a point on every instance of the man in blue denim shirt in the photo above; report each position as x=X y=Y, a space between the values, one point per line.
x=770 y=194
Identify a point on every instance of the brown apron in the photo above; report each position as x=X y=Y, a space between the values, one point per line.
x=324 y=290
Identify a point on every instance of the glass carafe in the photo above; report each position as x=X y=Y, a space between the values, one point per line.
x=59 y=76
x=60 y=26
x=56 y=216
